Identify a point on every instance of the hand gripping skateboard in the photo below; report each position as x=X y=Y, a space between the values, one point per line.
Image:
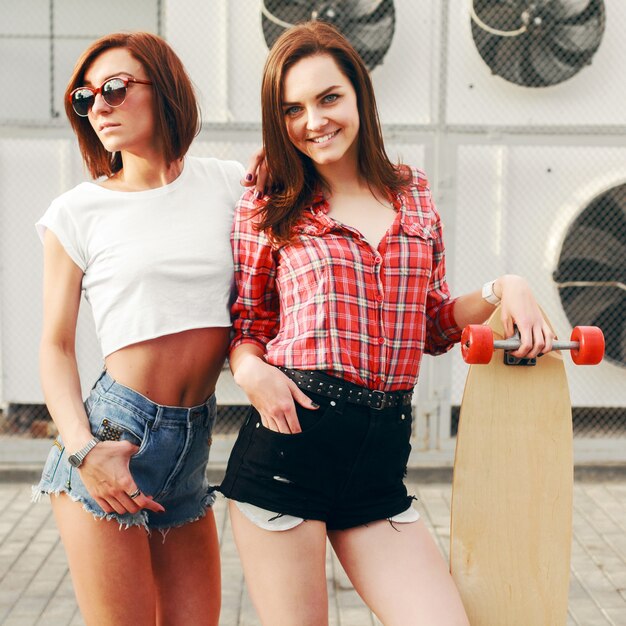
x=511 y=526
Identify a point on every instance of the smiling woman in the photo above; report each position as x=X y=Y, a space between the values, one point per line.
x=341 y=288
x=148 y=242
x=323 y=125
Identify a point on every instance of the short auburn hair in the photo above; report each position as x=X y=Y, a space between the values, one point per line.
x=293 y=174
x=176 y=108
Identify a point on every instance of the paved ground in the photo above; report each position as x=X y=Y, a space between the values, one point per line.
x=35 y=588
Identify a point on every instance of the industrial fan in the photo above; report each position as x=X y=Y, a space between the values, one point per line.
x=368 y=24
x=591 y=273
x=539 y=43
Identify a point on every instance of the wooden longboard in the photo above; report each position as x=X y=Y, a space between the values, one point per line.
x=511 y=528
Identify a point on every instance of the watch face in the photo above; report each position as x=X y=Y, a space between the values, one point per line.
x=74 y=460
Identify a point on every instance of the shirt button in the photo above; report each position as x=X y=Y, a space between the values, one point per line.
x=379 y=298
x=378 y=260
x=381 y=340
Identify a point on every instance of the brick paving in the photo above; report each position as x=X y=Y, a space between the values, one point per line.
x=35 y=587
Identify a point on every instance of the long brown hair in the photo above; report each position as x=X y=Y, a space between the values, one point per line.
x=294 y=177
x=176 y=107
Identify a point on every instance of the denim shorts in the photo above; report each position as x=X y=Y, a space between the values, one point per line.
x=346 y=468
x=170 y=464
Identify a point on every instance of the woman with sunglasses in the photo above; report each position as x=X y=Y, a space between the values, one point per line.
x=148 y=242
x=341 y=288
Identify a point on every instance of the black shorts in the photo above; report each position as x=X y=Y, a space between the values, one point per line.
x=345 y=468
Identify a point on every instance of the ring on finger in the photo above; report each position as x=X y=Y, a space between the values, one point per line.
x=134 y=494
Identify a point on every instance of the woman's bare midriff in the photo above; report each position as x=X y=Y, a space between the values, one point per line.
x=173 y=370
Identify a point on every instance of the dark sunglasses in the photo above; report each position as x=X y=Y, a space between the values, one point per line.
x=113 y=92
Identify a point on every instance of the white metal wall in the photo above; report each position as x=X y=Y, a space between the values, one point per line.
x=510 y=167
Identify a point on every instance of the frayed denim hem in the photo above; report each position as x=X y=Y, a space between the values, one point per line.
x=37 y=493
x=207 y=503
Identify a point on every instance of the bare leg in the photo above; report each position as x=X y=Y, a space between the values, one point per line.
x=111 y=568
x=400 y=574
x=285 y=571
x=187 y=574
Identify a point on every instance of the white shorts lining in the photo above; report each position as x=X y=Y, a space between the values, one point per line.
x=270 y=520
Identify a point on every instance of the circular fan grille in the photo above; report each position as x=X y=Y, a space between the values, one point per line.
x=368 y=24
x=540 y=43
x=591 y=274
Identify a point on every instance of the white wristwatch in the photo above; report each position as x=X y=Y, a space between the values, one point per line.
x=489 y=294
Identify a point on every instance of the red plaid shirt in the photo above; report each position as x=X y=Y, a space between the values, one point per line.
x=329 y=301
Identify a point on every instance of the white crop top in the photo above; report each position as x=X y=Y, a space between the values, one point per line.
x=155 y=262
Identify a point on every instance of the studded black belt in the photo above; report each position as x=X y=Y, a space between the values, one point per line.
x=337 y=389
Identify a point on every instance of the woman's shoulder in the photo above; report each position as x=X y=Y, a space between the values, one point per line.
x=217 y=174
x=249 y=207
x=67 y=217
x=416 y=177
x=418 y=198
x=76 y=198
x=216 y=167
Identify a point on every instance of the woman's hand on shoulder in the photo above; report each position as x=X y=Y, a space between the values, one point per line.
x=256 y=173
x=106 y=474
x=272 y=394
x=519 y=308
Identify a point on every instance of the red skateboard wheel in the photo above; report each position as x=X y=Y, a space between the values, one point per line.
x=477 y=344
x=590 y=349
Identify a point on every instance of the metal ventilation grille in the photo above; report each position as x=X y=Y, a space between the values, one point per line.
x=540 y=43
x=368 y=24
x=591 y=273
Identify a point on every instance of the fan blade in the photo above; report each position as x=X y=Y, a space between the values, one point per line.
x=569 y=9
x=509 y=58
x=590 y=254
x=340 y=12
x=614 y=204
x=611 y=320
x=281 y=7
x=486 y=44
x=584 y=269
x=586 y=304
x=578 y=38
x=620 y=355
x=370 y=37
x=364 y=8
x=290 y=11
x=547 y=66
x=607 y=213
x=501 y=17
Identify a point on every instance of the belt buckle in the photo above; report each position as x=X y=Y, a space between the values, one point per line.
x=378 y=397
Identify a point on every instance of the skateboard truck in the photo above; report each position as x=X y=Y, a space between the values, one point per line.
x=510 y=344
x=586 y=346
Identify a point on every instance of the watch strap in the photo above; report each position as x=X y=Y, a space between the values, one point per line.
x=489 y=294
x=78 y=457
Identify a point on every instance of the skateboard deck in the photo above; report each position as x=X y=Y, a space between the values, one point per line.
x=511 y=525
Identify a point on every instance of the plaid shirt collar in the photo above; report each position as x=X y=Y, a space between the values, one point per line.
x=317 y=222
